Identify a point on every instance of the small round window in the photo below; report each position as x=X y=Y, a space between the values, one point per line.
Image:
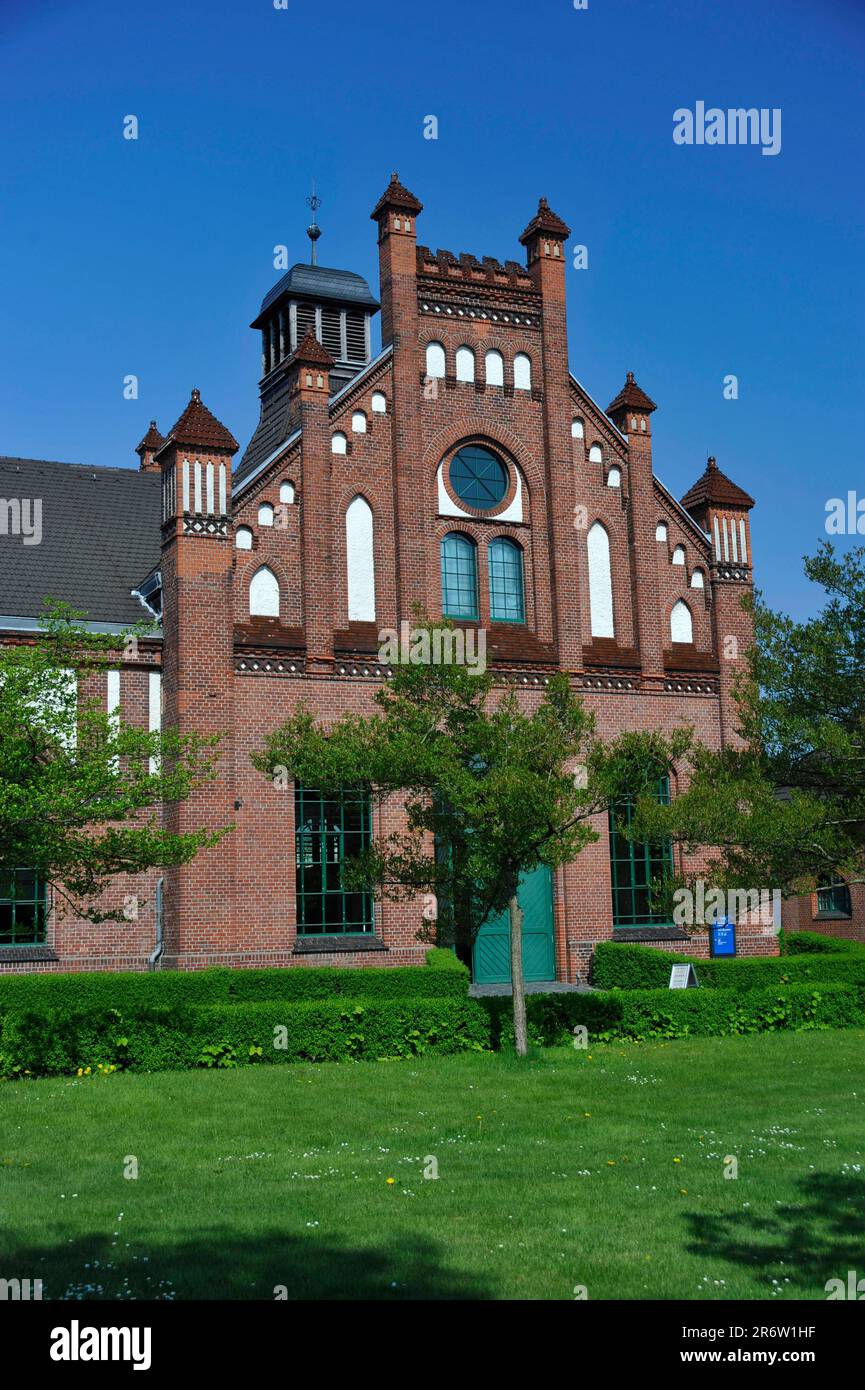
x=478 y=478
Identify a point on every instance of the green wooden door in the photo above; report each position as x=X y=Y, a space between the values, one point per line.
x=491 y=958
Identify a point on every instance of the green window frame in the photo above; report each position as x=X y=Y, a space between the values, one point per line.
x=635 y=865
x=833 y=898
x=327 y=832
x=507 y=590
x=22 y=908
x=459 y=564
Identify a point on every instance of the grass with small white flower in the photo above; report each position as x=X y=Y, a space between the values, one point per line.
x=603 y=1169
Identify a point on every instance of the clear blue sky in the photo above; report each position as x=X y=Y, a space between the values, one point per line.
x=150 y=257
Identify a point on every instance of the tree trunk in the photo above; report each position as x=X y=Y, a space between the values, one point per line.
x=515 y=913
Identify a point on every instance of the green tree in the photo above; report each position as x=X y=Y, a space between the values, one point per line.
x=81 y=791
x=492 y=789
x=787 y=809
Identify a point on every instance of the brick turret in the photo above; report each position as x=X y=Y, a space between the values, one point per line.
x=309 y=390
x=198 y=675
x=149 y=448
x=631 y=411
x=721 y=508
x=544 y=240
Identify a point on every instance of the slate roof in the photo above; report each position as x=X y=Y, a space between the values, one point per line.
x=100 y=539
x=320 y=283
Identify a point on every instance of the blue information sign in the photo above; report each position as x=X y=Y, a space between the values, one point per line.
x=722 y=938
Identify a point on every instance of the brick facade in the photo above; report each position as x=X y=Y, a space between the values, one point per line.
x=229 y=673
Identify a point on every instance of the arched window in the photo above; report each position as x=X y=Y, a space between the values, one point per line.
x=358 y=422
x=600 y=582
x=459 y=562
x=338 y=443
x=359 y=561
x=661 y=531
x=698 y=580
x=286 y=492
x=465 y=364
x=494 y=369
x=596 y=454
x=681 y=625
x=578 y=429
x=243 y=538
x=265 y=514
x=435 y=360
x=679 y=555
x=507 y=601
x=522 y=372
x=264 y=594
x=379 y=403
x=614 y=477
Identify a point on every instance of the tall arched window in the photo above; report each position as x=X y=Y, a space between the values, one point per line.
x=681 y=624
x=359 y=561
x=600 y=582
x=465 y=364
x=698 y=580
x=596 y=454
x=358 y=422
x=459 y=562
x=338 y=443
x=265 y=514
x=614 y=477
x=264 y=594
x=577 y=428
x=494 y=368
x=507 y=601
x=522 y=372
x=286 y=492
x=243 y=538
x=679 y=555
x=379 y=403
x=435 y=360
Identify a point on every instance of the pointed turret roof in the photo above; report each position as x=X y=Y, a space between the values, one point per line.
x=714 y=488
x=631 y=397
x=545 y=220
x=198 y=427
x=396 y=196
x=152 y=441
x=311 y=353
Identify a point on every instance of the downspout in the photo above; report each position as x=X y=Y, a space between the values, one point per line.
x=156 y=954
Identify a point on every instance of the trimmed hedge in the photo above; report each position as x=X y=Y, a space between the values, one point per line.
x=50 y=1043
x=800 y=943
x=643 y=1014
x=620 y=966
x=131 y=991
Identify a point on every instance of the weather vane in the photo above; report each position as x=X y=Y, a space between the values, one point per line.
x=313 y=231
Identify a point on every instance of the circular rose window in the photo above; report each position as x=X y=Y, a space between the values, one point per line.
x=478 y=478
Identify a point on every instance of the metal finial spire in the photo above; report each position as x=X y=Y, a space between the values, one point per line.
x=313 y=231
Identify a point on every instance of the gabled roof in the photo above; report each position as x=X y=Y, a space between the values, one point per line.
x=319 y=283
x=198 y=427
x=100 y=537
x=714 y=488
x=631 y=397
x=396 y=196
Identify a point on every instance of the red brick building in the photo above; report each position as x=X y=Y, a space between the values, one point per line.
x=462 y=467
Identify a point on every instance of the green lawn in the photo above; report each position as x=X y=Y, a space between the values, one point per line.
x=553 y=1174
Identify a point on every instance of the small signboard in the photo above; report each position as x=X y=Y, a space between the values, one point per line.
x=722 y=937
x=683 y=977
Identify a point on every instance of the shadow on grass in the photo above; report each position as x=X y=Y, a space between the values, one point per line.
x=215 y=1264
x=807 y=1242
